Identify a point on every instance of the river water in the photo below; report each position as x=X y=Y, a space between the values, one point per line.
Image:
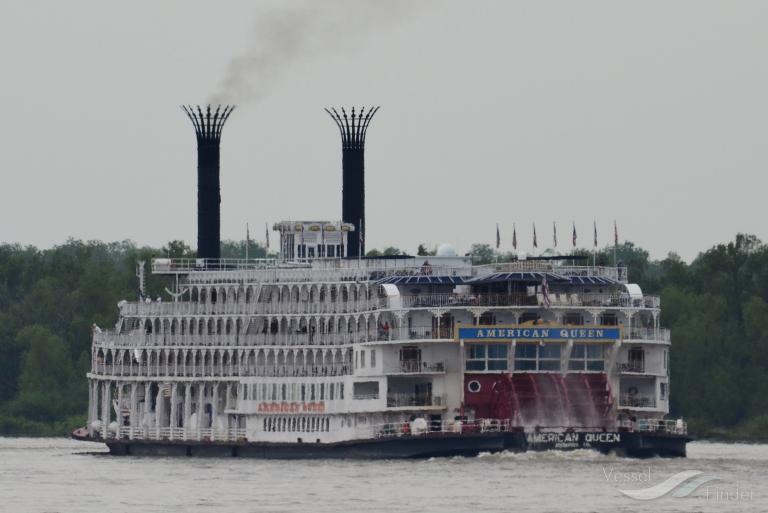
x=60 y=475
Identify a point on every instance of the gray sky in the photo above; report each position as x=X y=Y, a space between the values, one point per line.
x=651 y=113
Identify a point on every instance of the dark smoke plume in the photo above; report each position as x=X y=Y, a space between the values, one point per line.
x=285 y=35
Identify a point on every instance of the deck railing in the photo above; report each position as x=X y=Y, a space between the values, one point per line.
x=635 y=366
x=416 y=367
x=138 y=338
x=399 y=400
x=556 y=299
x=656 y=334
x=179 y=434
x=203 y=371
x=637 y=401
x=156 y=308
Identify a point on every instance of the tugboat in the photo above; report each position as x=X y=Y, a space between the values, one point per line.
x=325 y=353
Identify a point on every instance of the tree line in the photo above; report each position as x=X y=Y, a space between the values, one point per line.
x=716 y=307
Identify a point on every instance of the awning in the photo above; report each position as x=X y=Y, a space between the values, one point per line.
x=519 y=277
x=592 y=280
x=422 y=280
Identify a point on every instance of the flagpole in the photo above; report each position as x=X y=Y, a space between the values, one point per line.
x=247 y=240
x=615 y=242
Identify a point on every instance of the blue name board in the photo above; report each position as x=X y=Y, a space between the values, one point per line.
x=538 y=333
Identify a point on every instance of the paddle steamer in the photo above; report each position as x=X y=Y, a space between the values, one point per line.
x=322 y=352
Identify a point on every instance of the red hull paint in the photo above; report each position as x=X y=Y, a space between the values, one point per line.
x=544 y=399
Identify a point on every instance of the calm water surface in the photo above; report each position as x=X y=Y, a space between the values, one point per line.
x=60 y=475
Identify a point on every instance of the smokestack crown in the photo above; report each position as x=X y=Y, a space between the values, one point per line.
x=353 y=127
x=208 y=125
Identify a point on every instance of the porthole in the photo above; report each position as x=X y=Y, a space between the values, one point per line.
x=474 y=386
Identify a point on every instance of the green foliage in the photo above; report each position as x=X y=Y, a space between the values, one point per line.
x=48 y=383
x=388 y=251
x=423 y=251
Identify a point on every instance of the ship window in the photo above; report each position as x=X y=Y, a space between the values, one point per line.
x=488 y=318
x=366 y=390
x=312 y=392
x=663 y=391
x=331 y=252
x=303 y=392
x=283 y=392
x=475 y=354
x=330 y=392
x=525 y=357
x=549 y=357
x=373 y=358
x=525 y=351
x=589 y=357
x=497 y=357
x=574 y=319
x=362 y=359
x=595 y=357
x=577 y=360
x=322 y=391
x=609 y=319
x=492 y=357
x=474 y=386
x=341 y=390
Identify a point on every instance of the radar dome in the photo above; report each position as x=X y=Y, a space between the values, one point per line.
x=446 y=250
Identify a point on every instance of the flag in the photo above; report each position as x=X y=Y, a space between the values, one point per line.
x=554 y=233
x=498 y=236
x=362 y=238
x=545 y=292
x=514 y=236
x=615 y=234
x=574 y=234
x=266 y=230
x=321 y=249
x=535 y=243
x=595 y=225
x=247 y=240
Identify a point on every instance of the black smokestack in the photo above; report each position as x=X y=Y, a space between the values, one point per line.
x=208 y=127
x=353 y=129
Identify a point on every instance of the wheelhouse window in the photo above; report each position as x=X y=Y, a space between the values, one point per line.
x=491 y=357
x=531 y=357
x=525 y=357
x=587 y=357
x=475 y=354
x=549 y=357
x=497 y=356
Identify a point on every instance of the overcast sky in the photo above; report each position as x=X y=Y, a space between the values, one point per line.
x=651 y=113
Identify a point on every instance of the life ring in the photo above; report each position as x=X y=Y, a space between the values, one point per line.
x=632 y=391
